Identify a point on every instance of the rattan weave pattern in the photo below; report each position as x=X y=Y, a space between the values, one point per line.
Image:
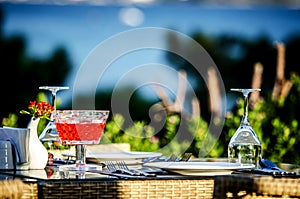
x=77 y=189
x=129 y=189
x=256 y=187
x=30 y=191
x=285 y=187
x=189 y=189
x=11 y=189
x=17 y=189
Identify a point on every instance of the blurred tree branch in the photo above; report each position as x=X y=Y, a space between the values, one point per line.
x=282 y=86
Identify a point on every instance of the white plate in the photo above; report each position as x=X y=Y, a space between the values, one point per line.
x=132 y=159
x=200 y=168
x=122 y=155
x=110 y=156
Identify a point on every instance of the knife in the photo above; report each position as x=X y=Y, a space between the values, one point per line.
x=265 y=171
x=273 y=172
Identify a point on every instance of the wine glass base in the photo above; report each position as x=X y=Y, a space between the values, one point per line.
x=80 y=167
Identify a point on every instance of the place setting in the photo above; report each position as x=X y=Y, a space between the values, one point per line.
x=81 y=129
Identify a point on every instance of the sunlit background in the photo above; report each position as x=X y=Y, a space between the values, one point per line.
x=47 y=43
x=79 y=26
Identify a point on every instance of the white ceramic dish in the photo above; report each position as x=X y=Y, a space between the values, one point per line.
x=111 y=156
x=199 y=168
x=132 y=159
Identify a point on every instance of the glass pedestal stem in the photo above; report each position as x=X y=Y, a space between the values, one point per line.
x=80 y=154
x=245 y=120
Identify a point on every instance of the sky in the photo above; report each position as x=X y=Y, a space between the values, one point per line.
x=83 y=28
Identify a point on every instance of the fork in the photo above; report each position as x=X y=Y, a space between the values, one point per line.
x=175 y=158
x=186 y=157
x=119 y=169
x=123 y=165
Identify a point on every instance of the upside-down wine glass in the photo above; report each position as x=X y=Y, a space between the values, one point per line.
x=49 y=134
x=244 y=146
x=80 y=128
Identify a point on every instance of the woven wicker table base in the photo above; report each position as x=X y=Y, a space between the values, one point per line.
x=256 y=187
x=16 y=189
x=230 y=186
x=129 y=189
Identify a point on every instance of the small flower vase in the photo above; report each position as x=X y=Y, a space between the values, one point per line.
x=38 y=154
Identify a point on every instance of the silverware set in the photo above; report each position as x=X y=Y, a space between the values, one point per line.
x=173 y=158
x=119 y=169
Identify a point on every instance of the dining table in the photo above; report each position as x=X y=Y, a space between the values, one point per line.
x=54 y=183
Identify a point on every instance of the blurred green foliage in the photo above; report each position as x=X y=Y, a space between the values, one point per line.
x=10 y=121
x=279 y=134
x=138 y=135
x=142 y=137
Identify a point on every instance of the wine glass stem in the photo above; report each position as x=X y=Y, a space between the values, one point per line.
x=53 y=101
x=245 y=120
x=80 y=153
x=246 y=104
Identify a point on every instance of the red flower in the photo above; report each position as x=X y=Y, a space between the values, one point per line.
x=39 y=109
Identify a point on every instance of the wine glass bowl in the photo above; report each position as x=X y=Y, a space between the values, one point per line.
x=244 y=146
x=80 y=128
